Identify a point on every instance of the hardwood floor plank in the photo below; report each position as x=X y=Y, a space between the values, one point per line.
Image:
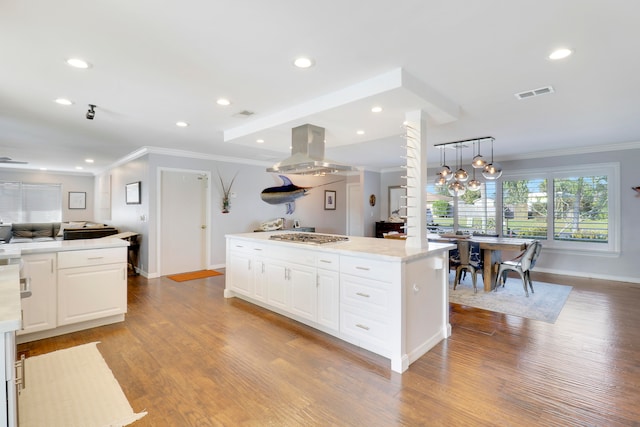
x=192 y=358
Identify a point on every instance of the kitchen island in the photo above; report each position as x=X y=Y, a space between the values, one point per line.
x=377 y=294
x=75 y=285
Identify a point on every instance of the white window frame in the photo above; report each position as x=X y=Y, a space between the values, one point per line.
x=611 y=170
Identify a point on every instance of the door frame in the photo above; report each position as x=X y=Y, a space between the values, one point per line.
x=207 y=207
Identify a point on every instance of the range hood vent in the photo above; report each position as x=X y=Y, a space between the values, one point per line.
x=307 y=154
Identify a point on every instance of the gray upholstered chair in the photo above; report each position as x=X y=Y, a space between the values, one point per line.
x=466 y=263
x=522 y=264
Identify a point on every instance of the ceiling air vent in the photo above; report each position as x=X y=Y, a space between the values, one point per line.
x=535 y=92
x=244 y=114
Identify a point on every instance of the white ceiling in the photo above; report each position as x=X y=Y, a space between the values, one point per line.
x=157 y=62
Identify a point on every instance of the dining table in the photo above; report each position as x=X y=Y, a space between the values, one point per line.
x=491 y=248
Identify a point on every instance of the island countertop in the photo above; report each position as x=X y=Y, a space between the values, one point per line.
x=368 y=247
x=62 y=245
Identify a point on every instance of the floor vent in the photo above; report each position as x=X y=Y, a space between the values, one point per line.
x=535 y=92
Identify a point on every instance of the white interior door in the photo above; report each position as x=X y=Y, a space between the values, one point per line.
x=183 y=221
x=355 y=220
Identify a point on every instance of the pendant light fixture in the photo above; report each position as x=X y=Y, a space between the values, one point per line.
x=492 y=170
x=461 y=182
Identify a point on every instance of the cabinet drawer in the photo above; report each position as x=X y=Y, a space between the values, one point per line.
x=328 y=261
x=296 y=256
x=368 y=329
x=368 y=295
x=69 y=259
x=363 y=267
x=246 y=247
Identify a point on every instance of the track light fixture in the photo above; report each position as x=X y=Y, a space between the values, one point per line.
x=91 y=112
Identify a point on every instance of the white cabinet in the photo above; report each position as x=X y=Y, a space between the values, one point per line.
x=366 y=311
x=303 y=288
x=39 y=310
x=328 y=284
x=92 y=284
x=246 y=269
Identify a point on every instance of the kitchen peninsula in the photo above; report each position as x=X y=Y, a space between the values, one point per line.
x=75 y=285
x=377 y=294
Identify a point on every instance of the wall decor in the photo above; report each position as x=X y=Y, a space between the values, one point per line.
x=329 y=200
x=132 y=193
x=397 y=199
x=288 y=193
x=77 y=200
x=636 y=189
x=226 y=193
x=372 y=200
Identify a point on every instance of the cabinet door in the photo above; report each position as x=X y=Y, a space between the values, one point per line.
x=329 y=298
x=87 y=293
x=241 y=274
x=276 y=283
x=303 y=288
x=39 y=310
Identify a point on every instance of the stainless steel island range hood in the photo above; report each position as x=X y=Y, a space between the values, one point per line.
x=307 y=154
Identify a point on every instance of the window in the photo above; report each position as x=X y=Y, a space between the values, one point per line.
x=575 y=208
x=26 y=202
x=474 y=212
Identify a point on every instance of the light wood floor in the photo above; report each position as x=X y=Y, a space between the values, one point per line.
x=192 y=358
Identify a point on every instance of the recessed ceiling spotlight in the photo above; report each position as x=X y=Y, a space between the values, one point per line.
x=79 y=168
x=223 y=102
x=182 y=124
x=43 y=169
x=260 y=141
x=360 y=132
x=560 y=53
x=78 y=63
x=376 y=109
x=63 y=101
x=88 y=160
x=303 y=62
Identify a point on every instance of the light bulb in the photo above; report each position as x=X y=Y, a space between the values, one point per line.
x=478 y=162
x=440 y=181
x=492 y=171
x=461 y=175
x=446 y=173
x=474 y=185
x=456 y=189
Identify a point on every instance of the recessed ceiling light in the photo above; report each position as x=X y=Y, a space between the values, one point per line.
x=260 y=141
x=63 y=101
x=560 y=53
x=376 y=109
x=88 y=160
x=223 y=101
x=43 y=169
x=78 y=63
x=79 y=167
x=182 y=124
x=303 y=62
x=360 y=132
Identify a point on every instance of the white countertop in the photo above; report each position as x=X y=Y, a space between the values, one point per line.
x=10 y=309
x=63 y=245
x=387 y=249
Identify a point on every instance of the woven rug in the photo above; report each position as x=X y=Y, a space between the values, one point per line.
x=183 y=277
x=73 y=387
x=545 y=304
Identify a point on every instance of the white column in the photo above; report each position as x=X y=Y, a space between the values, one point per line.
x=416 y=179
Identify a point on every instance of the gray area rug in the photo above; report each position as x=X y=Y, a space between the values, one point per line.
x=545 y=304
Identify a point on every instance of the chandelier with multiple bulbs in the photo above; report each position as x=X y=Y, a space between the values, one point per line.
x=458 y=182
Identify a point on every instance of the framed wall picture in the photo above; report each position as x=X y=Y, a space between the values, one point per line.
x=132 y=193
x=329 y=200
x=77 y=200
x=397 y=200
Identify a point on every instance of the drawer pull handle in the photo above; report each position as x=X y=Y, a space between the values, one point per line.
x=95 y=257
x=366 y=328
x=363 y=295
x=326 y=261
x=257 y=249
x=362 y=268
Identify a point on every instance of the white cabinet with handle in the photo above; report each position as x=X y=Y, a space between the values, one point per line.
x=39 y=311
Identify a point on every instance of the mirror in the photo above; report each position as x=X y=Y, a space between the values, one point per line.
x=397 y=199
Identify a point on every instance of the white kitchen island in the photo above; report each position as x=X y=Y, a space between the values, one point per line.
x=75 y=285
x=374 y=293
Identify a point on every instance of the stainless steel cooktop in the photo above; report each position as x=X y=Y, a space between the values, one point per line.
x=313 y=238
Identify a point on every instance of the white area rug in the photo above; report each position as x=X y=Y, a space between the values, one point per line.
x=73 y=387
x=545 y=304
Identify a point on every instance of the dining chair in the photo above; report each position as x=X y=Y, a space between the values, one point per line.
x=522 y=264
x=469 y=259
